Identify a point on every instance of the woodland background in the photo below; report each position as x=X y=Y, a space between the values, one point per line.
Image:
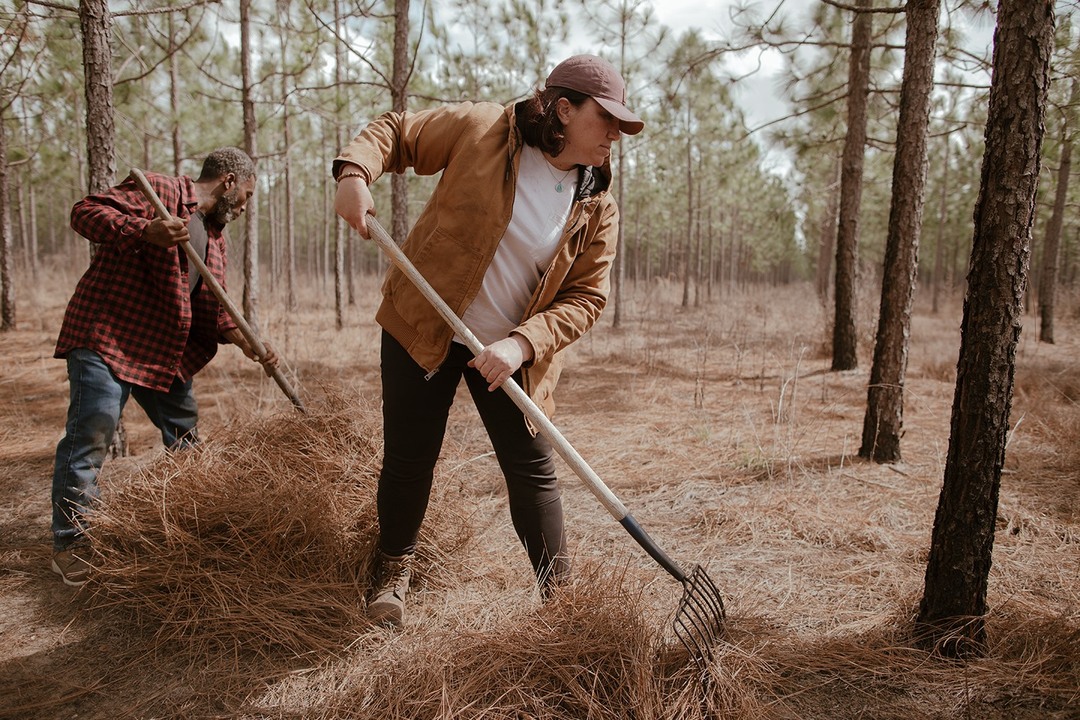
x=705 y=198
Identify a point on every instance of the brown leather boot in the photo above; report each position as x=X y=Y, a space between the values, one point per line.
x=387 y=604
x=71 y=564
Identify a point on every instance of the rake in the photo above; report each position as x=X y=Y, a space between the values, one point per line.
x=699 y=618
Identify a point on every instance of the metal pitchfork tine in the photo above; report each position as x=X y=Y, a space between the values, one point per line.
x=694 y=626
x=699 y=617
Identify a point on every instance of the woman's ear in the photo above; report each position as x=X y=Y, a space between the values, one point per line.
x=563 y=109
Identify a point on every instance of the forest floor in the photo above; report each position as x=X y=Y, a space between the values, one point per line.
x=719 y=426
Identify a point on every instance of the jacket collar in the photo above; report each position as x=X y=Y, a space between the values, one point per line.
x=593 y=180
x=187 y=194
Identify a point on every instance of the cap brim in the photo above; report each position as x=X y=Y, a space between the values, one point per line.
x=629 y=123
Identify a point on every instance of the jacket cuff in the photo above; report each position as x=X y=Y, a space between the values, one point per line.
x=339 y=164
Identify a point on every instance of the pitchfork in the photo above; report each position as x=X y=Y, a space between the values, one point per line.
x=699 y=617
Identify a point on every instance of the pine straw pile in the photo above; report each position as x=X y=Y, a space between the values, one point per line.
x=589 y=653
x=259 y=540
x=593 y=656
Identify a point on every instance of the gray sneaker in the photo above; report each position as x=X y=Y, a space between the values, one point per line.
x=71 y=566
x=387 y=604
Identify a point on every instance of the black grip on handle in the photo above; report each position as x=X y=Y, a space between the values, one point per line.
x=643 y=539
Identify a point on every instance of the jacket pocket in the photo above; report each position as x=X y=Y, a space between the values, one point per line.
x=450 y=264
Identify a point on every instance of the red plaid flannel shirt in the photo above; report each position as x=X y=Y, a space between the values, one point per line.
x=132 y=305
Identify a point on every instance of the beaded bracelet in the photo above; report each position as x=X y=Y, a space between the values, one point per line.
x=344 y=175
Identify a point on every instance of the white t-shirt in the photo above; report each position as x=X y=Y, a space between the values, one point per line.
x=526 y=249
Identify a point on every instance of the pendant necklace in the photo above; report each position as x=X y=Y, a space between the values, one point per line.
x=558 y=180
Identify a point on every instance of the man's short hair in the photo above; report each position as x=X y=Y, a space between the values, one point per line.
x=227 y=160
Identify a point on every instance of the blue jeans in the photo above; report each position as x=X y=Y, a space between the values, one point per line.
x=97 y=399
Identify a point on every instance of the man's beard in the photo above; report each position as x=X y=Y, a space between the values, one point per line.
x=225 y=210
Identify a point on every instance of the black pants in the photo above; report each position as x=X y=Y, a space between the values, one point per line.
x=415 y=411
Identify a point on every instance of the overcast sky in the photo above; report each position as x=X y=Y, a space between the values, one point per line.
x=758 y=97
x=758 y=94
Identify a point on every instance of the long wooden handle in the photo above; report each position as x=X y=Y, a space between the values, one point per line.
x=219 y=292
x=541 y=421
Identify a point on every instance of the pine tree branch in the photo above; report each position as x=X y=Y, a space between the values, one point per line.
x=161 y=11
x=855 y=9
x=54 y=6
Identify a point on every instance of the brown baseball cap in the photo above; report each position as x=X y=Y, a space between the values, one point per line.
x=597 y=78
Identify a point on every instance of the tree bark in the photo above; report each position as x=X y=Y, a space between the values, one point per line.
x=31 y=203
x=288 y=201
x=7 y=288
x=399 y=96
x=939 y=245
x=709 y=256
x=697 y=252
x=251 y=214
x=96 y=22
x=174 y=101
x=273 y=227
x=689 y=244
x=828 y=236
x=1048 y=279
x=851 y=171
x=884 y=417
x=618 y=264
x=954 y=603
x=339 y=225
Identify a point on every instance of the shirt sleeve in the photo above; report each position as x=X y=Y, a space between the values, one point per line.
x=118 y=216
x=423 y=141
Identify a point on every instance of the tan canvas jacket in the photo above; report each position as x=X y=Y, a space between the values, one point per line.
x=476 y=146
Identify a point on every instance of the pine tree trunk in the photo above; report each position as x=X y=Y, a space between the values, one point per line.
x=251 y=214
x=939 y=246
x=339 y=224
x=951 y=614
x=174 y=102
x=847 y=235
x=828 y=236
x=20 y=238
x=287 y=201
x=1048 y=279
x=7 y=288
x=618 y=272
x=96 y=22
x=399 y=95
x=697 y=253
x=273 y=230
x=688 y=246
x=721 y=266
x=884 y=417
x=709 y=257
x=31 y=203
x=618 y=265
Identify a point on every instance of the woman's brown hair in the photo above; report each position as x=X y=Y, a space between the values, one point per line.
x=538 y=119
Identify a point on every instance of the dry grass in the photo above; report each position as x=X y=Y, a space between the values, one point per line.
x=230 y=577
